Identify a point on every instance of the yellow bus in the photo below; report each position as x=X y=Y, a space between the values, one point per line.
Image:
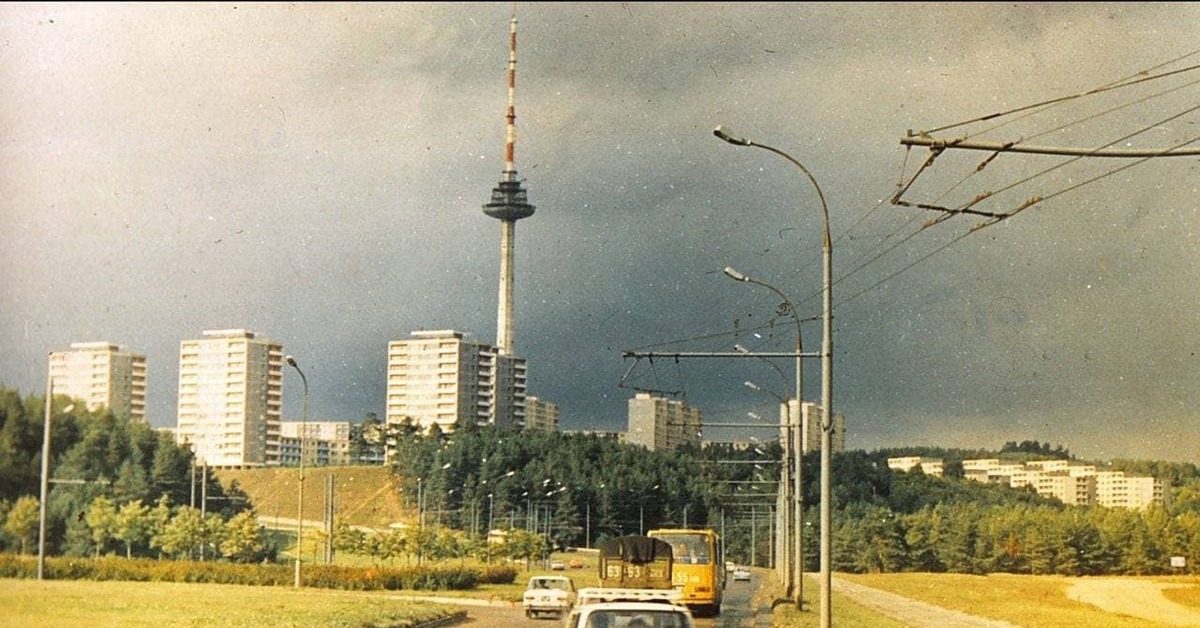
x=698 y=569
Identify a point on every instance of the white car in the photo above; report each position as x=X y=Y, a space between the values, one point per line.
x=549 y=595
x=741 y=573
x=630 y=615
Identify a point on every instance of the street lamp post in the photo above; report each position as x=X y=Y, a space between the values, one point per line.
x=826 y=372
x=300 y=499
x=797 y=491
x=487 y=535
x=41 y=561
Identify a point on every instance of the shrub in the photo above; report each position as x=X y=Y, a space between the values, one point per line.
x=427 y=578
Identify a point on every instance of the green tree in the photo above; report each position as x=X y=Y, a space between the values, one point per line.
x=159 y=517
x=133 y=525
x=23 y=522
x=101 y=519
x=244 y=540
x=349 y=539
x=182 y=535
x=132 y=483
x=524 y=544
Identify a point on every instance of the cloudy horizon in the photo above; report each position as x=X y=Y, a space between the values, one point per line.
x=315 y=173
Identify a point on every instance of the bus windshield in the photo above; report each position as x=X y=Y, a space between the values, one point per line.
x=688 y=549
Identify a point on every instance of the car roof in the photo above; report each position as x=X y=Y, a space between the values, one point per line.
x=637 y=606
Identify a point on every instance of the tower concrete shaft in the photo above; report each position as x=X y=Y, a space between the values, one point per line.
x=509 y=204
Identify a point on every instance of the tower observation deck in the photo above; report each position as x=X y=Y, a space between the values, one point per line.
x=509 y=204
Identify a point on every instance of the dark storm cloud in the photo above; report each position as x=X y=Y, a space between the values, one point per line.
x=315 y=173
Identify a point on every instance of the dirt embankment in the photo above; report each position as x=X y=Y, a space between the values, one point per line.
x=362 y=496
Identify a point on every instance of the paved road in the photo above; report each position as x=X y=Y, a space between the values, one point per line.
x=736 y=611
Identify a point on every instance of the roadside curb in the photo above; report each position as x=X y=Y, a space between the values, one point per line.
x=457 y=617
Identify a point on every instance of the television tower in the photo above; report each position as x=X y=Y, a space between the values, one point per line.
x=509 y=204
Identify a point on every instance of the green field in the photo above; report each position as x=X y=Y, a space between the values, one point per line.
x=79 y=604
x=1030 y=601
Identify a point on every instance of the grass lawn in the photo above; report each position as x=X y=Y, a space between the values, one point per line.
x=86 y=604
x=1030 y=601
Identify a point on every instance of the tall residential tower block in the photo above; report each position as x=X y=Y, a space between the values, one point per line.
x=103 y=375
x=448 y=379
x=231 y=398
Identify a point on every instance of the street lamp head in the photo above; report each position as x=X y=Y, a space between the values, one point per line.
x=735 y=275
x=291 y=361
x=722 y=133
x=752 y=386
x=740 y=349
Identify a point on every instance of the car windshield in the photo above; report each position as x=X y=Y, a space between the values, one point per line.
x=636 y=619
x=550 y=583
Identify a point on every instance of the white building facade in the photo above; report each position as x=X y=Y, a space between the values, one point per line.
x=448 y=379
x=660 y=423
x=1072 y=483
x=231 y=398
x=103 y=375
x=325 y=443
x=540 y=414
x=810 y=426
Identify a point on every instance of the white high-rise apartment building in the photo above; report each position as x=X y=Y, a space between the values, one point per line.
x=660 y=423
x=103 y=375
x=231 y=398
x=810 y=426
x=448 y=379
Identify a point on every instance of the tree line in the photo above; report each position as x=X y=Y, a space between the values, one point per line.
x=122 y=487
x=115 y=485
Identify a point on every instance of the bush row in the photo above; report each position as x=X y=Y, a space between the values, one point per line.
x=423 y=578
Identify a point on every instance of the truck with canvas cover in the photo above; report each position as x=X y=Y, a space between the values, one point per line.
x=633 y=569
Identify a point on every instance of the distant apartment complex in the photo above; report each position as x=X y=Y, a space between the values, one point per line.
x=1071 y=482
x=231 y=398
x=929 y=466
x=326 y=443
x=447 y=379
x=660 y=423
x=540 y=415
x=103 y=375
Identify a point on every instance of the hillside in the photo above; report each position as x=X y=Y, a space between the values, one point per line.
x=363 y=496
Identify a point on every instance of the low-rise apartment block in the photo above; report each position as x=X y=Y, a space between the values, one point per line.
x=326 y=443
x=1071 y=482
x=540 y=414
x=928 y=466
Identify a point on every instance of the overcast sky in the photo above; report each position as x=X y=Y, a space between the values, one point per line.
x=315 y=173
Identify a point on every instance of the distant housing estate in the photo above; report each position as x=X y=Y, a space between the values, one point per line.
x=230 y=401
x=1073 y=483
